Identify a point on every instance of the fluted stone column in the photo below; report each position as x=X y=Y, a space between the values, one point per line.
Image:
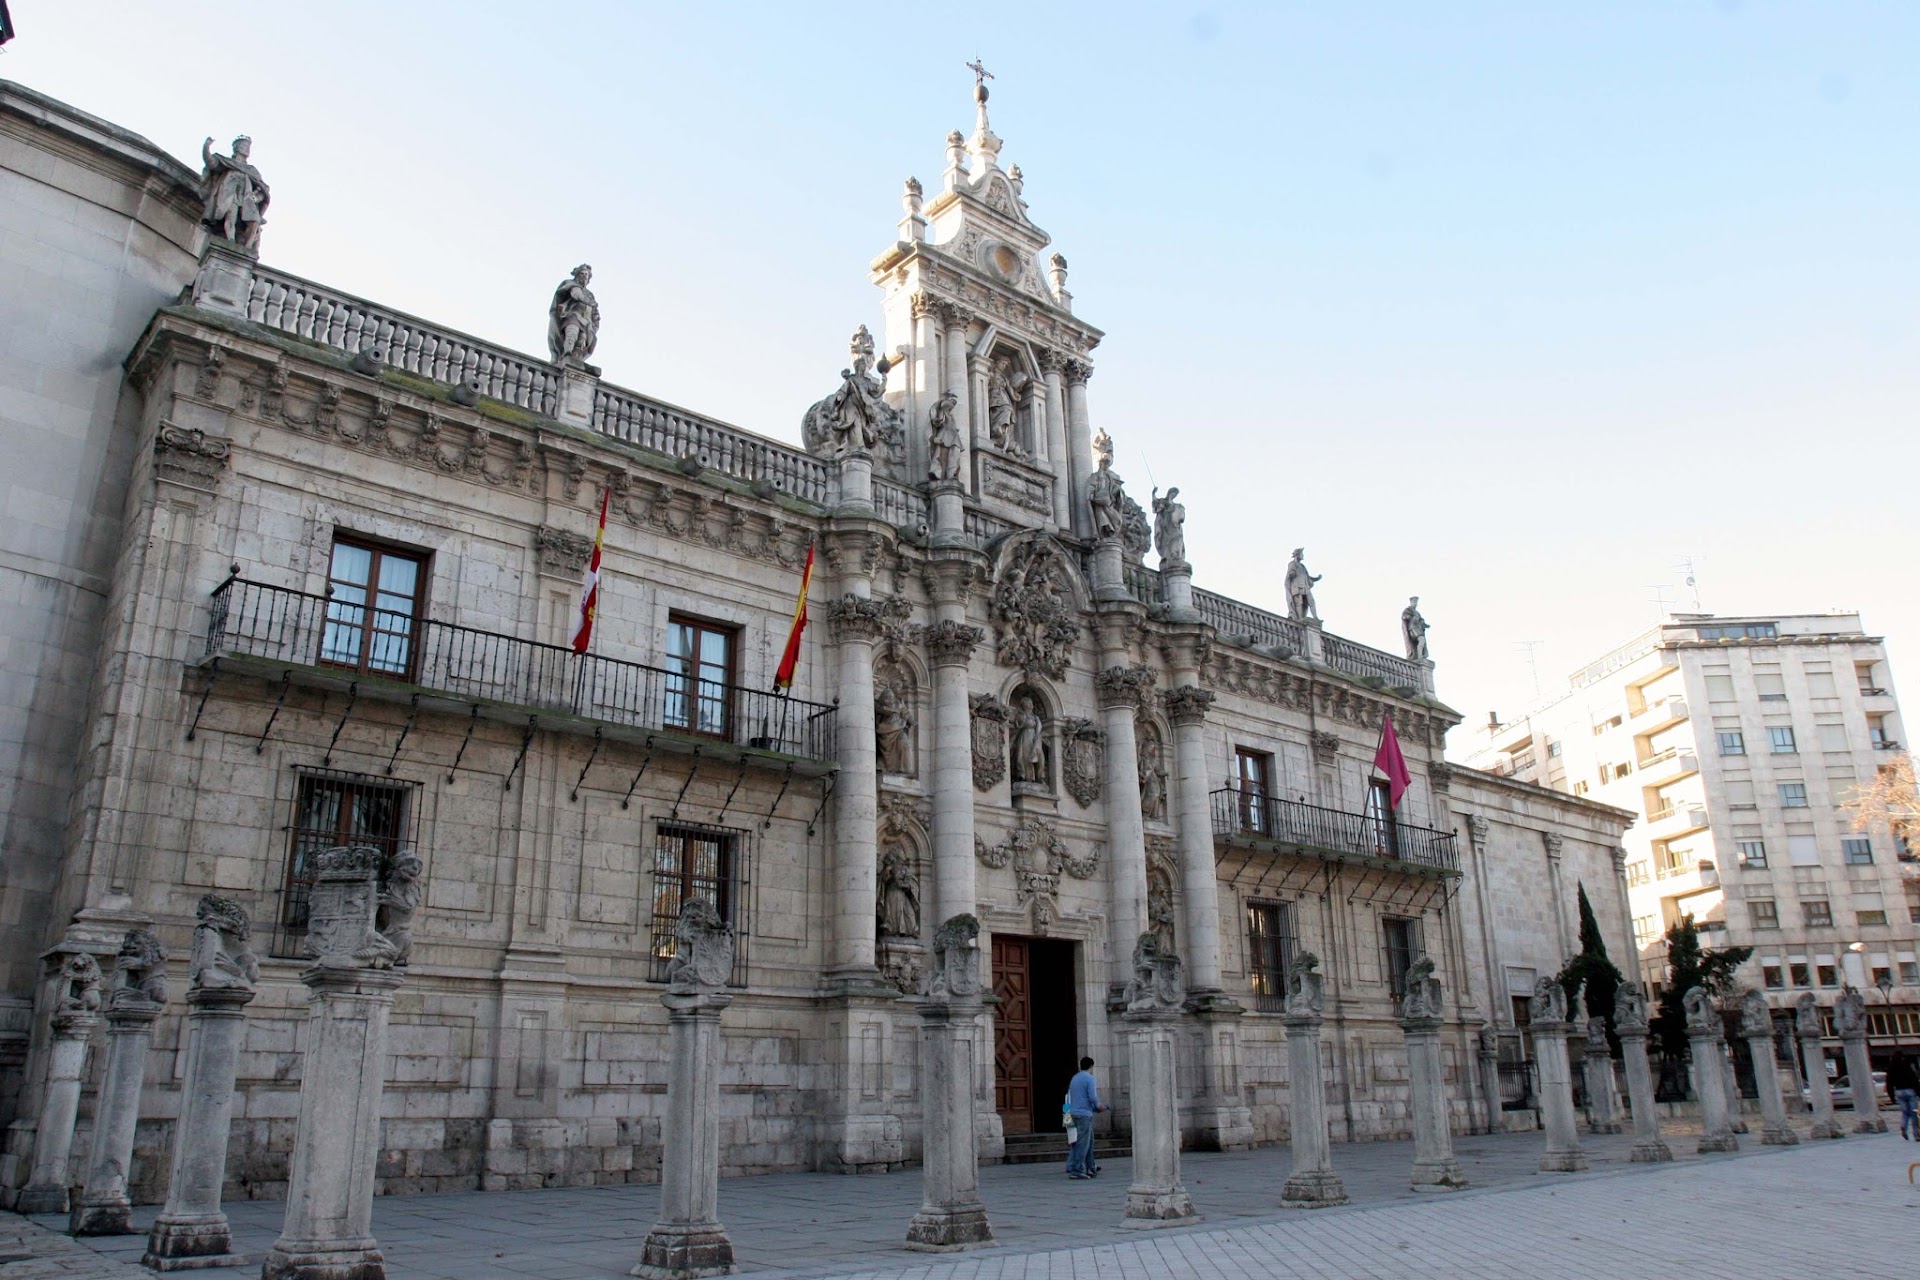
x=1434 y=1166
x=1550 y=1031
x=1312 y=1184
x=1850 y=1020
x=1630 y=1024
x=72 y=1026
x=1706 y=1039
x=1489 y=1043
x=1186 y=707
x=1756 y=1028
x=103 y=1208
x=1121 y=690
x=1813 y=1053
x=328 y=1230
x=951 y=1215
x=1603 y=1095
x=688 y=1240
x=1079 y=441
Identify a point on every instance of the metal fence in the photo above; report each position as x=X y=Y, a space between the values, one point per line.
x=1243 y=815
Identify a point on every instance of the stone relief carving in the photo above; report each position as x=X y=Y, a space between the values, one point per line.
x=856 y=418
x=1549 y=1001
x=233 y=195
x=1806 y=1016
x=1756 y=1018
x=703 y=948
x=955 y=971
x=892 y=726
x=340 y=914
x=1326 y=746
x=1305 y=987
x=1413 y=629
x=989 y=721
x=573 y=320
x=1156 y=984
x=899 y=897
x=1630 y=1009
x=79 y=985
x=189 y=455
x=1163 y=878
x=1035 y=623
x=139 y=972
x=399 y=899
x=1299 y=585
x=1849 y=1014
x=865 y=617
x=1136 y=535
x=1039 y=858
x=943 y=425
x=1083 y=763
x=1424 y=998
x=562 y=553
x=1031 y=753
x=1703 y=1019
x=1597 y=1036
x=1169 y=527
x=221 y=959
x=1152 y=771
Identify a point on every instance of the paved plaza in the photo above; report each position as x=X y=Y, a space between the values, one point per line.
x=1833 y=1209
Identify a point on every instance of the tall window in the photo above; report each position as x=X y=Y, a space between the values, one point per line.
x=1382 y=828
x=331 y=809
x=1401 y=938
x=1269 y=951
x=1255 y=776
x=695 y=861
x=373 y=608
x=1645 y=929
x=1780 y=739
x=1732 y=742
x=700 y=677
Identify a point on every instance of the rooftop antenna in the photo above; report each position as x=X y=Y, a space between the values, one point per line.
x=1685 y=566
x=1533 y=660
x=1659 y=591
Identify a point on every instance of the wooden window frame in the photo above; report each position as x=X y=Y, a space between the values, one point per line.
x=695 y=700
x=1255 y=792
x=366 y=630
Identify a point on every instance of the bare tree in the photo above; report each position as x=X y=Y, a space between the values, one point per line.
x=1889 y=801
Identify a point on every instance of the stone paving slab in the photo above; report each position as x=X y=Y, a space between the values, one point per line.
x=1835 y=1209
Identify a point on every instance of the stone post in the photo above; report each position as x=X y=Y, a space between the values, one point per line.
x=1122 y=690
x=224 y=282
x=1603 y=1095
x=1850 y=1020
x=951 y=1215
x=1735 y=1120
x=139 y=997
x=76 y=1012
x=1756 y=1028
x=1806 y=1023
x=1706 y=1038
x=577 y=388
x=1490 y=1077
x=1079 y=441
x=1630 y=1024
x=221 y=972
x=1156 y=1197
x=688 y=1240
x=1434 y=1165
x=948 y=513
x=1312 y=1184
x=328 y=1231
x=1550 y=1030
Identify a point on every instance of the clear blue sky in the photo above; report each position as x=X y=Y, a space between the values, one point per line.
x=1510 y=305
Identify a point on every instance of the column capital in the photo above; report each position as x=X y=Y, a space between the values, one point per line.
x=923 y=304
x=1050 y=361
x=951 y=644
x=1077 y=372
x=1556 y=843
x=1477 y=829
x=864 y=619
x=1187 y=705
x=1124 y=687
x=952 y=314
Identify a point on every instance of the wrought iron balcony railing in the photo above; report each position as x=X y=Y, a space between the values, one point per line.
x=354 y=640
x=1245 y=816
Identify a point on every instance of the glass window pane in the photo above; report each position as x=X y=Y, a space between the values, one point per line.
x=399 y=574
x=352 y=564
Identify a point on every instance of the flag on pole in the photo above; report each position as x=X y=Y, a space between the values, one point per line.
x=590 y=589
x=790 y=657
x=1388 y=761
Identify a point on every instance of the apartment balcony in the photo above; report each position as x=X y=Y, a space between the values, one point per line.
x=1656 y=716
x=1267 y=824
x=1668 y=766
x=296 y=638
x=1673 y=820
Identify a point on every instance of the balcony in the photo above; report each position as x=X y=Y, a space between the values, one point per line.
x=1677 y=819
x=1668 y=765
x=293 y=635
x=1656 y=716
x=1266 y=823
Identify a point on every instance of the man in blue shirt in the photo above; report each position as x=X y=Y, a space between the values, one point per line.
x=1083 y=1102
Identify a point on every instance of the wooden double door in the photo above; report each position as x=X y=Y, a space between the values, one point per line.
x=1036 y=1037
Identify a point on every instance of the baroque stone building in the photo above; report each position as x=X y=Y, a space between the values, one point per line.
x=302 y=571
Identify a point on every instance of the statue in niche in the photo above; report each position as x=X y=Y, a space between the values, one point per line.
x=945 y=424
x=573 y=320
x=1169 y=526
x=856 y=418
x=399 y=899
x=233 y=194
x=1300 y=605
x=892 y=731
x=140 y=972
x=221 y=960
x=899 y=900
x=1153 y=777
x=1029 y=742
x=1004 y=387
x=1161 y=916
x=1413 y=628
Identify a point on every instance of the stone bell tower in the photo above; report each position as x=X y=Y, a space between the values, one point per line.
x=983 y=318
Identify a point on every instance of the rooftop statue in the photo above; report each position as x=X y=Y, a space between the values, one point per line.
x=233 y=193
x=1413 y=628
x=1104 y=493
x=1169 y=526
x=945 y=426
x=573 y=320
x=1300 y=605
x=857 y=417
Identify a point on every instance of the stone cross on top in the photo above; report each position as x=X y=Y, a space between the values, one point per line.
x=980 y=74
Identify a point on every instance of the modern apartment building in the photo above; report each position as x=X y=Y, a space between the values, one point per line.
x=1738 y=741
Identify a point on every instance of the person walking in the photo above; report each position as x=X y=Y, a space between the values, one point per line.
x=1083 y=1103
x=1903 y=1083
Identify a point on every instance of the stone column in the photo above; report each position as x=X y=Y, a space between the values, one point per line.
x=856 y=621
x=1550 y=1030
x=1079 y=441
x=103 y=1208
x=1735 y=1120
x=950 y=645
x=951 y=1215
x=1706 y=1039
x=1186 y=707
x=1850 y=1020
x=1312 y=1184
x=76 y=1014
x=328 y=1231
x=1156 y=1197
x=1630 y=1024
x=1489 y=1044
x=1756 y=1028
x=1121 y=690
x=1434 y=1165
x=1806 y=1022
x=1603 y=1096
x=688 y=1240
x=976 y=398
x=953 y=322
x=1051 y=363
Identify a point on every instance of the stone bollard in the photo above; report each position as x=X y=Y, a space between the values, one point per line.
x=1550 y=1030
x=1630 y=1024
x=76 y=1012
x=951 y=1215
x=192 y=1228
x=1706 y=1038
x=138 y=997
x=1313 y=1184
x=328 y=1230
x=1490 y=1078
x=1603 y=1095
x=1756 y=1028
x=1806 y=1024
x=688 y=1240
x=1850 y=1020
x=1434 y=1165
x=1155 y=1198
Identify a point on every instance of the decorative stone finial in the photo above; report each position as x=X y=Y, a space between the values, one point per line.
x=340 y=914
x=1850 y=1013
x=139 y=973
x=1630 y=1009
x=703 y=948
x=573 y=320
x=1756 y=1018
x=221 y=960
x=1806 y=1016
x=79 y=986
x=233 y=194
x=1549 y=1001
x=1703 y=1018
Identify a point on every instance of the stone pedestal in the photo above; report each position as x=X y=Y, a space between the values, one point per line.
x=1603 y=1094
x=948 y=513
x=1774 y=1129
x=1866 y=1098
x=1434 y=1165
x=103 y=1208
x=1648 y=1147
x=1109 y=574
x=1312 y=1184
x=1710 y=1085
x=1155 y=1198
x=951 y=1215
x=224 y=282
x=576 y=397
x=1176 y=589
x=46 y=1189
x=192 y=1227
x=1222 y=1121
x=1563 y=1153
x=1490 y=1079
x=855 y=472
x=688 y=1240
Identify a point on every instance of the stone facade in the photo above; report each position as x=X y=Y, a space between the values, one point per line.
x=1080 y=750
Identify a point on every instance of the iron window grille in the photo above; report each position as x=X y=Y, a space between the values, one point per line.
x=1401 y=939
x=694 y=860
x=1269 y=953
x=332 y=807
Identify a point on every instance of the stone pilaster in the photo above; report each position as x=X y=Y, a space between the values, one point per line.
x=951 y=1215
x=1121 y=691
x=46 y=1189
x=103 y=1208
x=1630 y=1024
x=688 y=1239
x=1563 y=1153
x=1155 y=1197
x=192 y=1226
x=1312 y=1183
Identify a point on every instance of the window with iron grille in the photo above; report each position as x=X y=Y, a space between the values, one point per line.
x=1269 y=952
x=1402 y=939
x=692 y=860
x=332 y=808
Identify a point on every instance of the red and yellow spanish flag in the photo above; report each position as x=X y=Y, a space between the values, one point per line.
x=590 y=590
x=790 y=657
